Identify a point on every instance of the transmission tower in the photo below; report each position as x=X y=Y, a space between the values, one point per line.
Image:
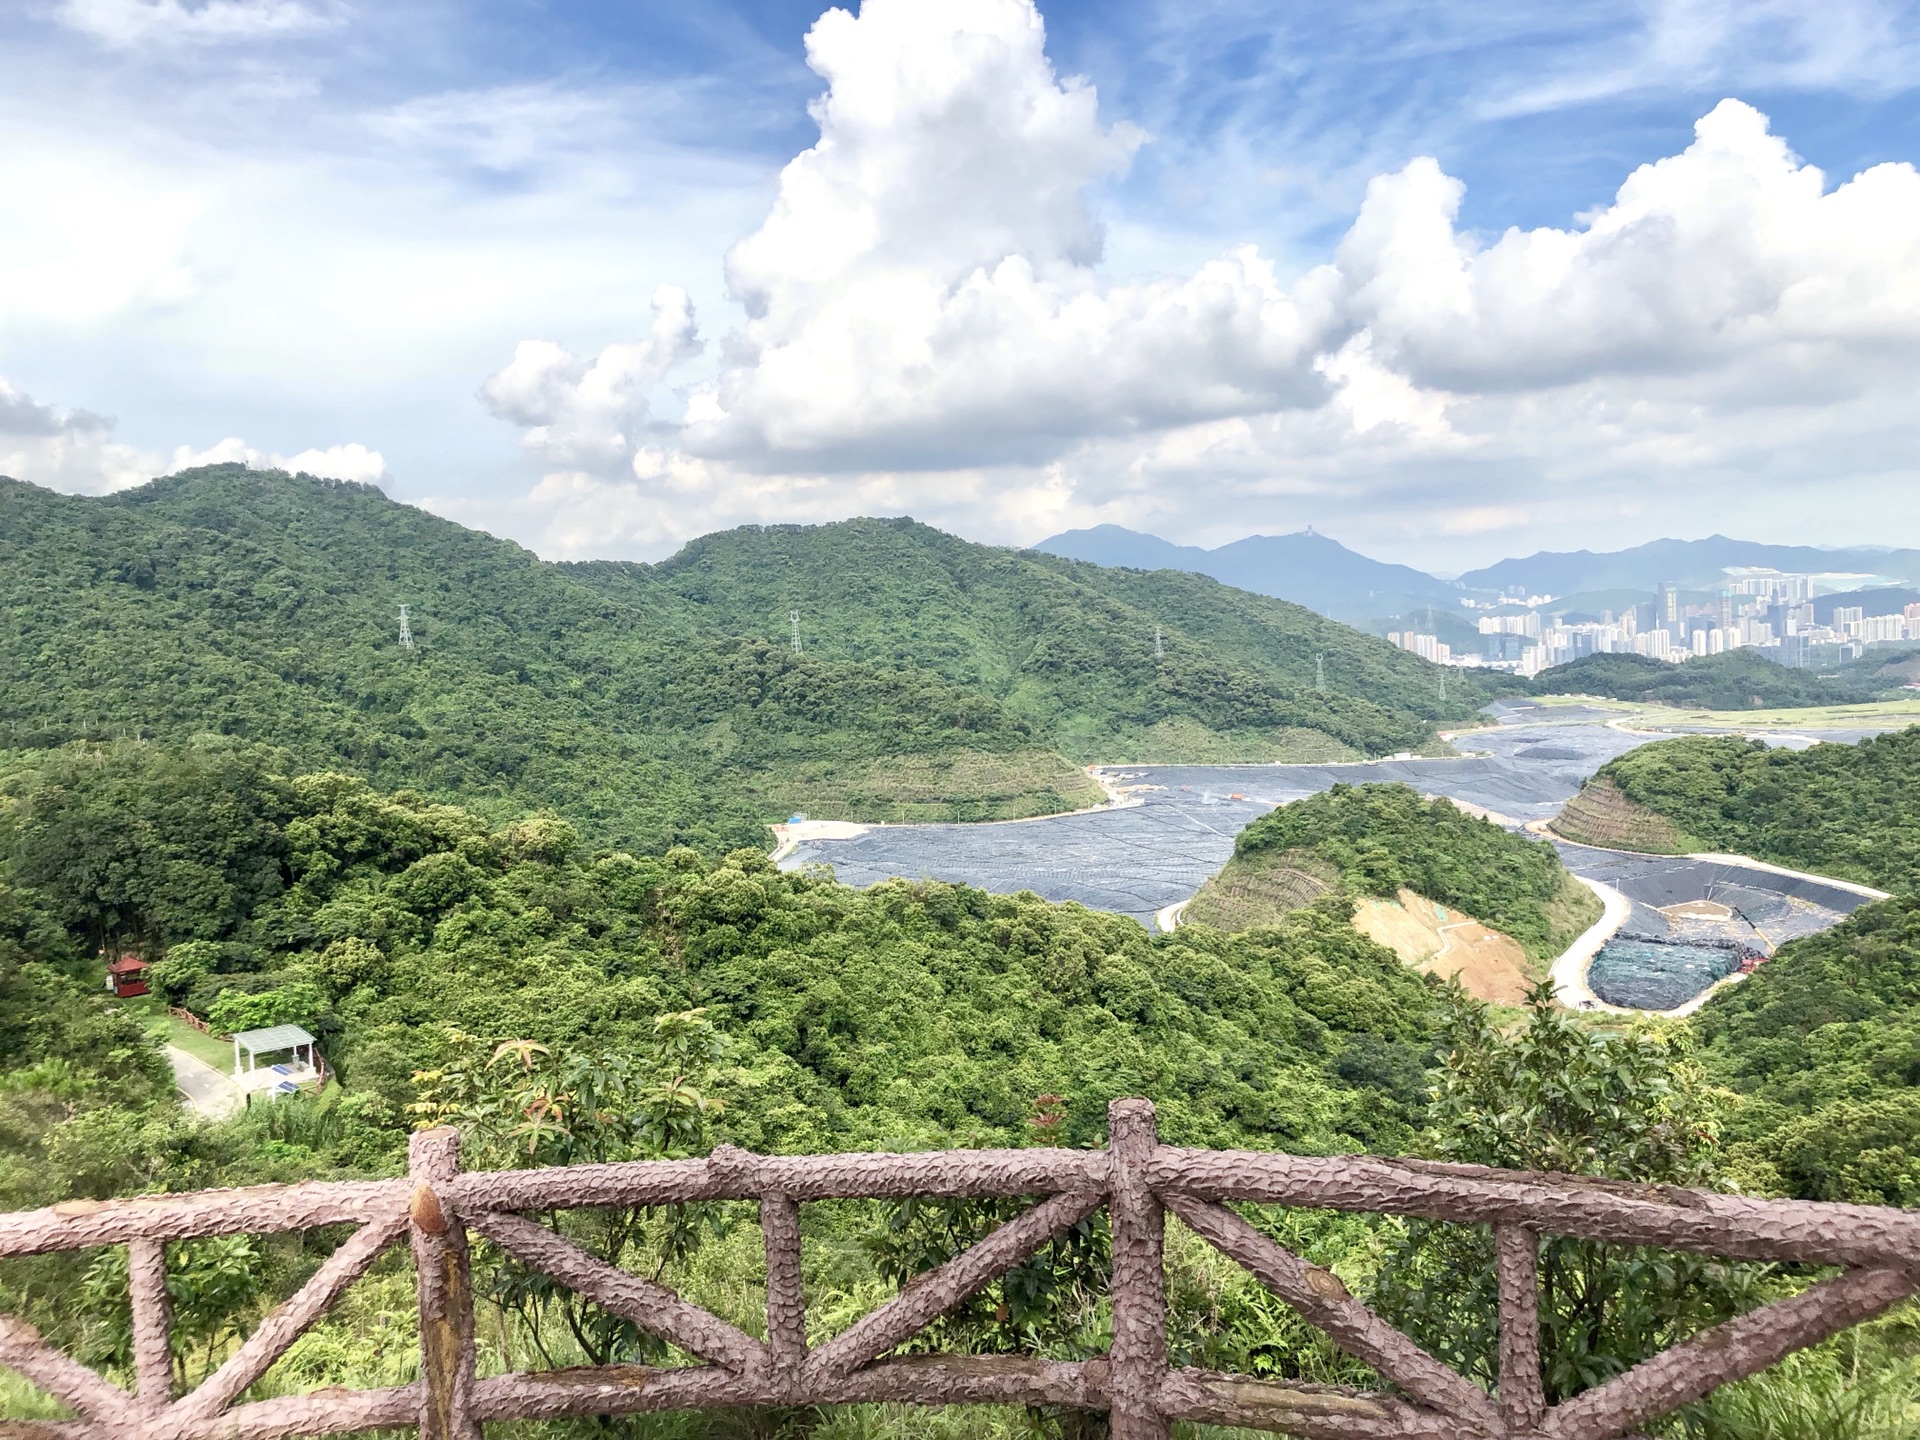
x=793 y=618
x=406 y=630
x=1159 y=645
x=1443 y=687
x=1320 y=672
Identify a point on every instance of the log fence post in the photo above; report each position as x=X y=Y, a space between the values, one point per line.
x=1138 y=1361
x=786 y=1294
x=152 y=1323
x=1523 y=1401
x=443 y=1274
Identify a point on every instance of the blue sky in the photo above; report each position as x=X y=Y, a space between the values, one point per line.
x=328 y=232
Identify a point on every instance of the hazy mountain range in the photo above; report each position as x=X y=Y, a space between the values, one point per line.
x=1317 y=571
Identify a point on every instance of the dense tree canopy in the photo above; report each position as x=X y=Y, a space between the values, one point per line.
x=1842 y=810
x=658 y=704
x=1378 y=839
x=1735 y=680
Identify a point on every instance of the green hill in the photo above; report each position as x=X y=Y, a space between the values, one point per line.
x=1842 y=810
x=264 y=606
x=1735 y=680
x=1068 y=646
x=1376 y=839
x=938 y=679
x=1821 y=1043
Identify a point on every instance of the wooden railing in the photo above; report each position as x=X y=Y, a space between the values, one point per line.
x=1137 y=1179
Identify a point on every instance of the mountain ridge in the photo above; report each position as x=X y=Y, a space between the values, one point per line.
x=939 y=680
x=1304 y=567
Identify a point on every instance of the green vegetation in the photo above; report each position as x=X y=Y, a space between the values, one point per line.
x=1555 y=1095
x=1067 y=646
x=264 y=607
x=1823 y=1043
x=658 y=704
x=1841 y=810
x=1377 y=839
x=1735 y=680
x=564 y=1002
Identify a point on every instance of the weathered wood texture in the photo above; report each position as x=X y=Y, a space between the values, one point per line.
x=444 y=1284
x=1138 y=1180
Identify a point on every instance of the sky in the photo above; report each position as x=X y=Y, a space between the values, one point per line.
x=1445 y=282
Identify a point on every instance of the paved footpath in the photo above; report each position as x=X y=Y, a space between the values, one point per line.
x=207 y=1091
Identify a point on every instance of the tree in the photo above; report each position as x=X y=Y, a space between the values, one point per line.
x=521 y=1104
x=1561 y=1096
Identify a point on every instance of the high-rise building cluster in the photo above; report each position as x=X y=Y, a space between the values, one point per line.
x=1765 y=610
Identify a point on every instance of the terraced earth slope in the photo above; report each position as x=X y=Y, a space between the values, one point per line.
x=1842 y=810
x=1395 y=861
x=1601 y=814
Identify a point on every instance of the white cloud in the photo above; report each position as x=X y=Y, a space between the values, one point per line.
x=592 y=413
x=1727 y=315
x=71 y=450
x=336 y=462
x=74 y=451
x=135 y=22
x=924 y=291
x=1729 y=255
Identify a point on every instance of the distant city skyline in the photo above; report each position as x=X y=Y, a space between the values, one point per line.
x=1447 y=285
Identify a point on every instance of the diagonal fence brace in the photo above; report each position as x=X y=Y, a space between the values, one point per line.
x=280 y=1329
x=1324 y=1302
x=1727 y=1352
x=654 y=1308
x=929 y=1296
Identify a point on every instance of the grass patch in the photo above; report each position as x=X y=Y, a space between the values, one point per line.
x=962 y=785
x=1187 y=742
x=1640 y=716
x=169 y=1031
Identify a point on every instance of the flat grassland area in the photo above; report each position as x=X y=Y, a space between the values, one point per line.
x=1875 y=714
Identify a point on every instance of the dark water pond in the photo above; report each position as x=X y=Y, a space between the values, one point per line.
x=1645 y=976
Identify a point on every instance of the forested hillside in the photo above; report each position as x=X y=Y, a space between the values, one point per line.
x=1378 y=839
x=1823 y=1044
x=655 y=704
x=1069 y=647
x=640 y=1007
x=1842 y=810
x=909 y=1014
x=1735 y=680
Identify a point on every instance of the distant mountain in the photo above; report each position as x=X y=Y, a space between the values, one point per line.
x=1307 y=568
x=1691 y=563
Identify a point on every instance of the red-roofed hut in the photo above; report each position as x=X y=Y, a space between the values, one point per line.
x=127 y=976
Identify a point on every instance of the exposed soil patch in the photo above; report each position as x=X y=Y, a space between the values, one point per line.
x=1490 y=965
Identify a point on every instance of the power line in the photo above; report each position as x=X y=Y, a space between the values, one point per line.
x=406 y=630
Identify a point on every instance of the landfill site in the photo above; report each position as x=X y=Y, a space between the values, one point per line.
x=1691 y=921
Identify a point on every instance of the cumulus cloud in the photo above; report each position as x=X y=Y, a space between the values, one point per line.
x=136 y=22
x=591 y=414
x=1729 y=250
x=924 y=291
x=927 y=327
x=74 y=451
x=336 y=462
x=70 y=450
